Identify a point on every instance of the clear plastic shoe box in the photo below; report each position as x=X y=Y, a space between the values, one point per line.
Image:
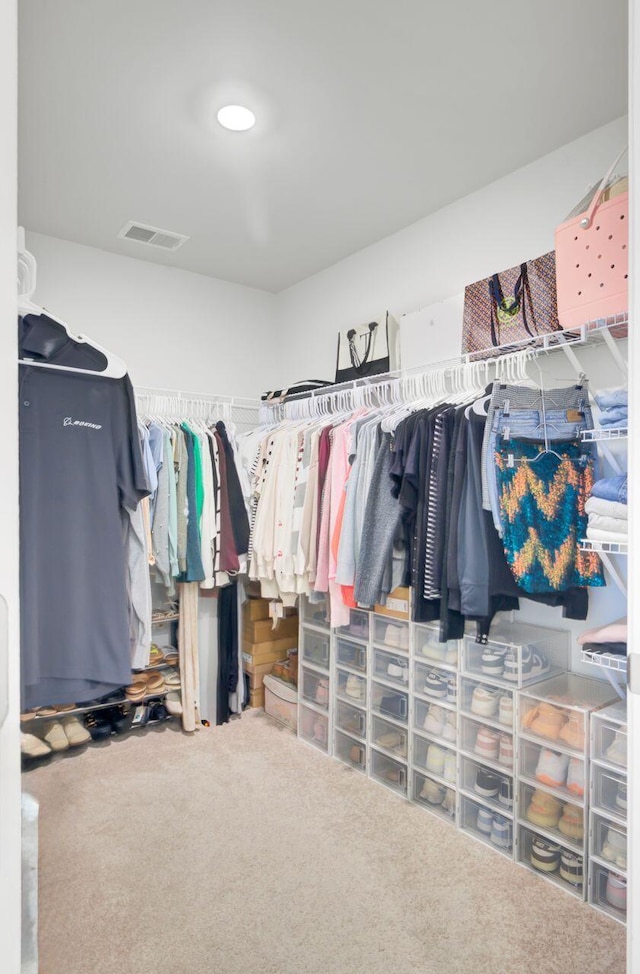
x=358 y=626
x=350 y=751
x=566 y=868
x=437 y=720
x=436 y=759
x=315 y=648
x=471 y=772
x=559 y=821
x=608 y=842
x=492 y=827
x=388 y=771
x=314 y=613
x=608 y=891
x=488 y=746
x=553 y=769
x=481 y=701
x=314 y=688
x=609 y=792
x=517 y=654
x=390 y=667
x=556 y=712
x=351 y=654
x=436 y=796
x=351 y=686
x=609 y=736
x=313 y=727
x=427 y=647
x=390 y=738
x=351 y=719
x=391 y=633
x=608 y=815
x=389 y=703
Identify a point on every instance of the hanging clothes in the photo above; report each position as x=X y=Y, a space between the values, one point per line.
x=80 y=470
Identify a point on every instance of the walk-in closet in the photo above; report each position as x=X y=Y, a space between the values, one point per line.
x=318 y=508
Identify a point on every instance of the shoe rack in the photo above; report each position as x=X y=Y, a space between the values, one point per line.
x=314 y=675
x=492 y=672
x=118 y=713
x=608 y=811
x=434 y=732
x=389 y=693
x=553 y=774
x=462 y=730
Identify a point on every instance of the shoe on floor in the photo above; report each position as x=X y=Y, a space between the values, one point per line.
x=121 y=718
x=173 y=703
x=54 y=735
x=32 y=747
x=77 y=735
x=158 y=713
x=98 y=725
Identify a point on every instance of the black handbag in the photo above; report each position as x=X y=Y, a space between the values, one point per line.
x=304 y=386
x=367 y=350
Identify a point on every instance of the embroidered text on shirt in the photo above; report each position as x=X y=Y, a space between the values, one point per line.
x=68 y=421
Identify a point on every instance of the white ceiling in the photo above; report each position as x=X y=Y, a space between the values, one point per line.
x=371 y=114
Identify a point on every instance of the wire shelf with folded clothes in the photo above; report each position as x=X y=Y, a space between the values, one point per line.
x=604 y=433
x=611 y=547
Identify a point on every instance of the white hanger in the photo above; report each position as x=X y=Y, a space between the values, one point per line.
x=27 y=274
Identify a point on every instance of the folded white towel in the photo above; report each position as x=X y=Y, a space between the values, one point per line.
x=596 y=505
x=600 y=534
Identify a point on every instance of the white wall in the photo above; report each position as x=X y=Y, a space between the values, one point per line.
x=432 y=261
x=494 y=228
x=174 y=329
x=9 y=734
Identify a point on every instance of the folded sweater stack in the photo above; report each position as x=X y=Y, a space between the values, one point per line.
x=611 y=638
x=614 y=408
x=607 y=510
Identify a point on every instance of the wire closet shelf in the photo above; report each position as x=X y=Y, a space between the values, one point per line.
x=175 y=404
x=408 y=384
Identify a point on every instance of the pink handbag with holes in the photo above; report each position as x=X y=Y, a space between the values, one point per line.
x=592 y=260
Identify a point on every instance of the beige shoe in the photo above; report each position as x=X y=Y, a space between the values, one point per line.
x=173 y=703
x=54 y=736
x=76 y=733
x=171 y=678
x=32 y=747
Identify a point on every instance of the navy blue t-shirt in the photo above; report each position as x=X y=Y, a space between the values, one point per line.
x=80 y=465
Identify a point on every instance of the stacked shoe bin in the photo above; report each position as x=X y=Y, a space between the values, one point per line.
x=351 y=691
x=553 y=774
x=314 y=676
x=388 y=750
x=516 y=655
x=608 y=811
x=434 y=721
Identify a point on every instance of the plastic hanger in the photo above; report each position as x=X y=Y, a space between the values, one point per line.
x=27 y=275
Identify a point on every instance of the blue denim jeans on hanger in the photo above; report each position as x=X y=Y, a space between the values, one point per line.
x=529 y=424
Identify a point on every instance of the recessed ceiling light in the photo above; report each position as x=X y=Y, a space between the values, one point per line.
x=236 y=117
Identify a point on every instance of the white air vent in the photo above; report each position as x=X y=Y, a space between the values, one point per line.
x=142 y=233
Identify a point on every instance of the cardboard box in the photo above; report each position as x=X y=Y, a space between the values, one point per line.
x=271 y=652
x=256 y=697
x=262 y=630
x=257 y=672
x=255 y=609
x=398 y=604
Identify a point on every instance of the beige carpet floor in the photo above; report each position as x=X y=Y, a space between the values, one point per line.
x=243 y=850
